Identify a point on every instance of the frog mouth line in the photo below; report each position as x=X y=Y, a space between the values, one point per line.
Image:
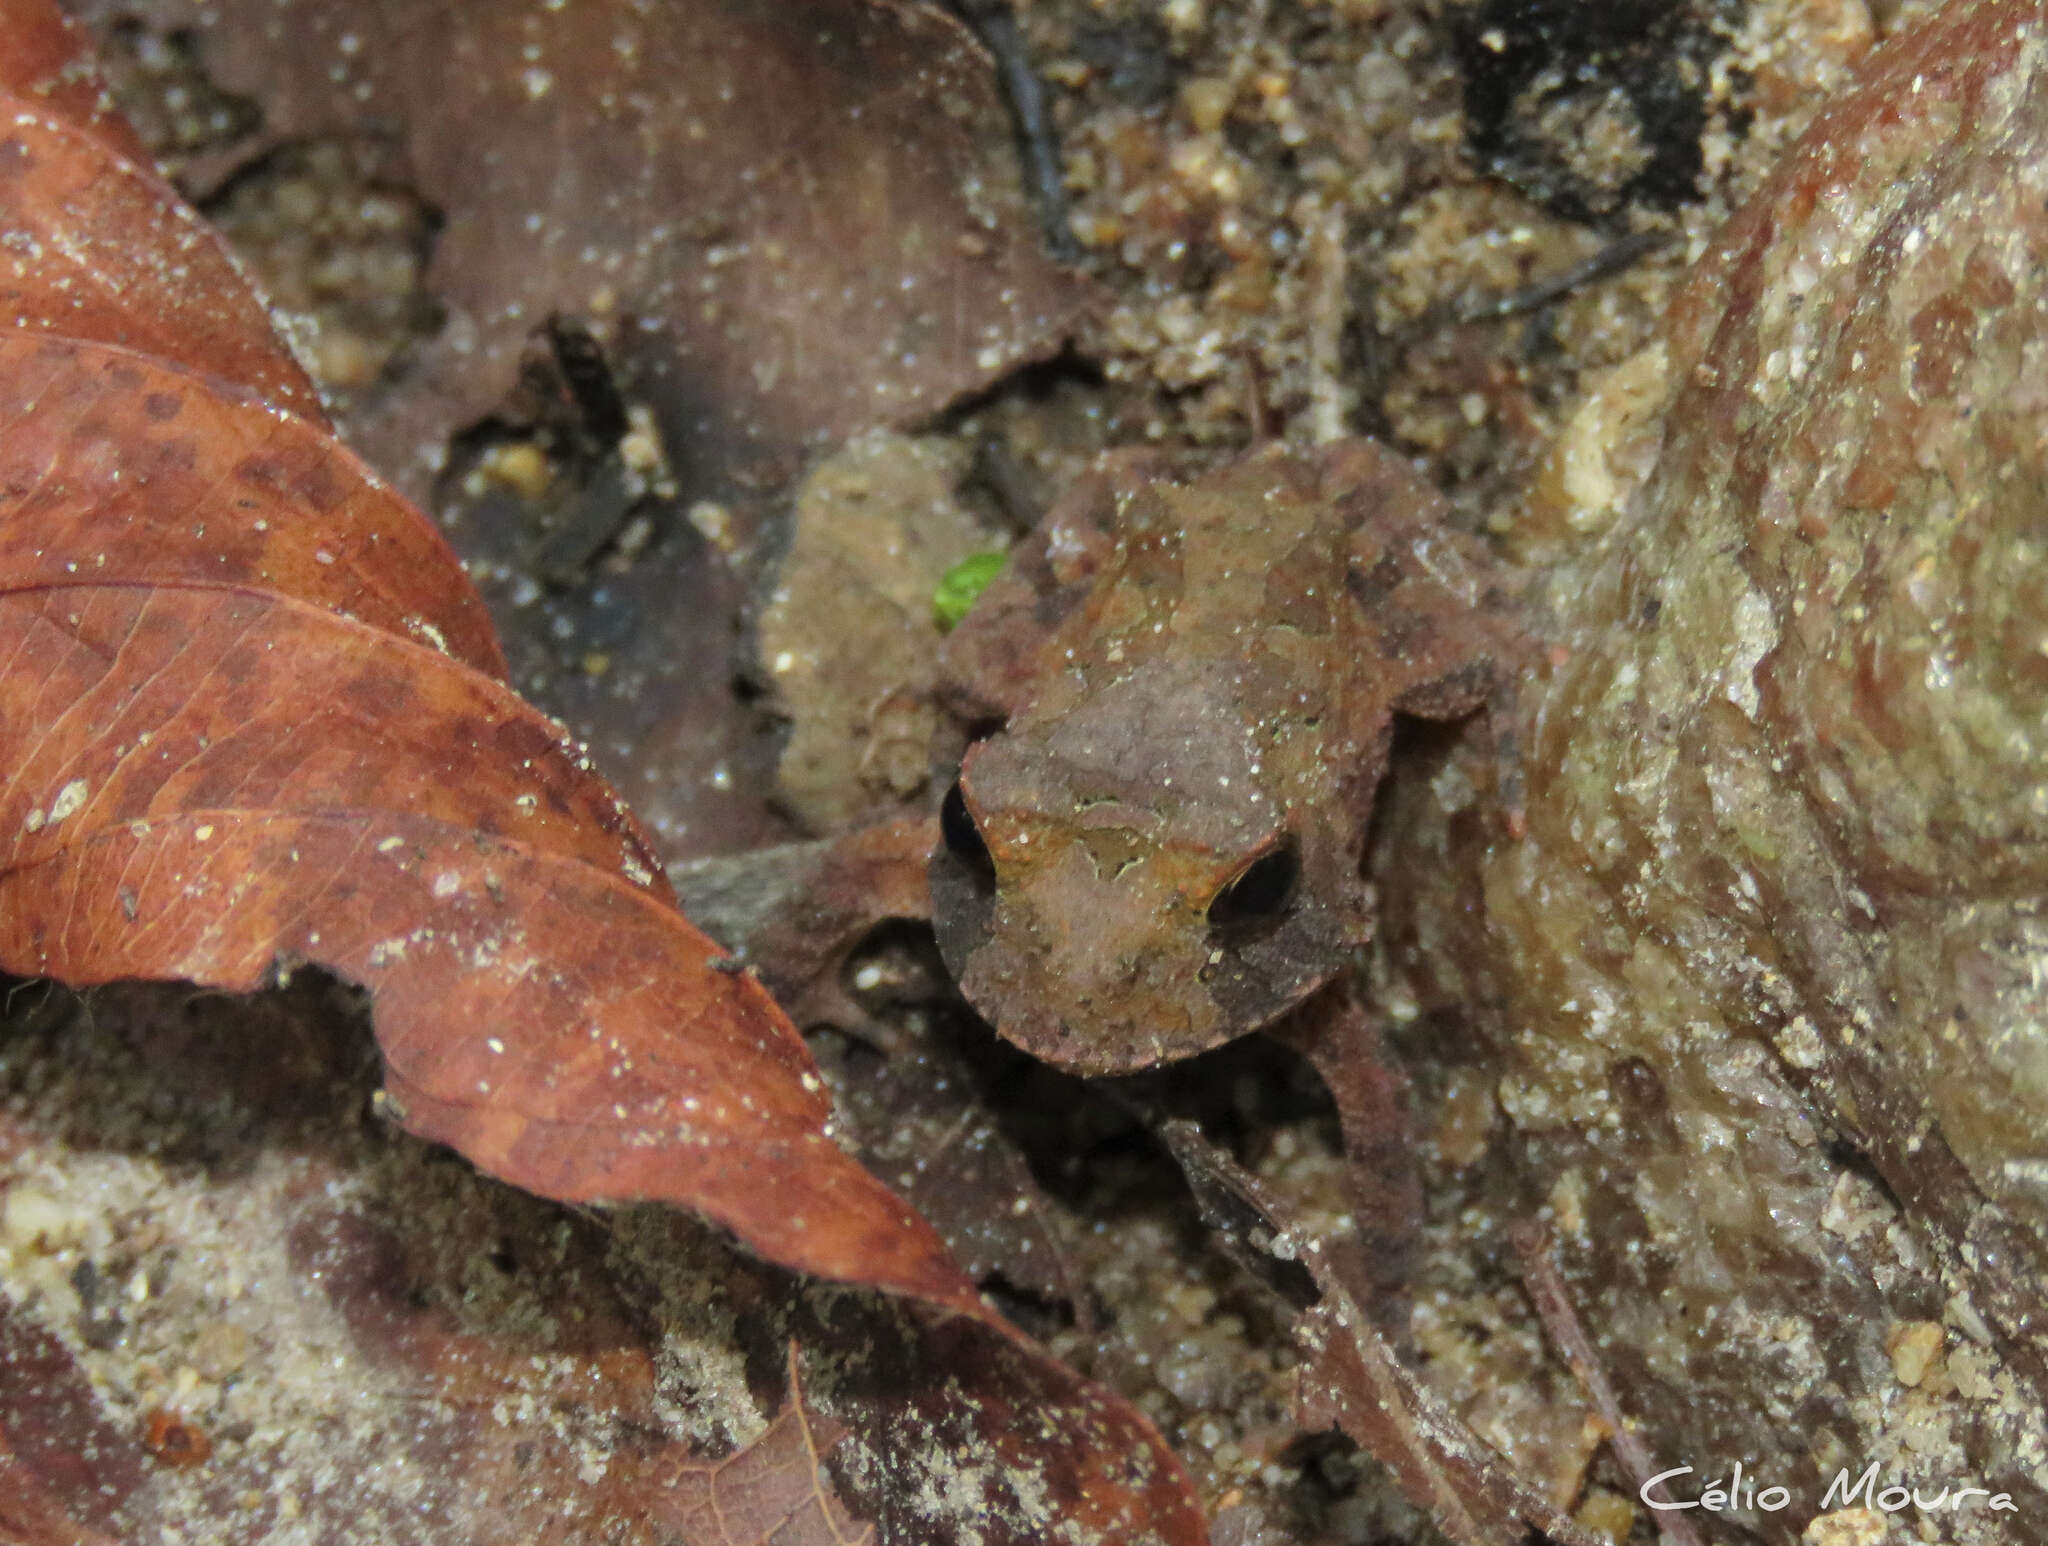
x=1099 y=1049
x=1225 y=983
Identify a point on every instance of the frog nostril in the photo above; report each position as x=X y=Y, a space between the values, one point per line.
x=1113 y=852
x=964 y=841
x=1260 y=893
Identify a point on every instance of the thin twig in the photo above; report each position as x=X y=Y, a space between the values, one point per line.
x=1611 y=259
x=1547 y=1292
x=994 y=22
x=1328 y=313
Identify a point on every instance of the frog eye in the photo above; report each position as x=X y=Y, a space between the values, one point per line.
x=1260 y=893
x=963 y=839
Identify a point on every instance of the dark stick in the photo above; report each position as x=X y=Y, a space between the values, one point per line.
x=1611 y=259
x=1547 y=1292
x=996 y=25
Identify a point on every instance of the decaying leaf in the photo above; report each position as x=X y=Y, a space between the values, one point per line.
x=795 y=221
x=924 y=1124
x=64 y=1469
x=774 y=1492
x=796 y=912
x=238 y=736
x=801 y=915
x=250 y=719
x=419 y=1355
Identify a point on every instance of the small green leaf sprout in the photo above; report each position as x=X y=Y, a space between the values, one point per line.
x=960 y=585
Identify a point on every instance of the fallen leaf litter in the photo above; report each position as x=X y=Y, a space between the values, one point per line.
x=1145 y=179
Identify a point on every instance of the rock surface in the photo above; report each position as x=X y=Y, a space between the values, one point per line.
x=1763 y=988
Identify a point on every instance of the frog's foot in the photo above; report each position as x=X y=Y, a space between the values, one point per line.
x=1342 y=1041
x=1484 y=688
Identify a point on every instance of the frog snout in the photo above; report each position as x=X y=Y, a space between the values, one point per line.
x=1093 y=971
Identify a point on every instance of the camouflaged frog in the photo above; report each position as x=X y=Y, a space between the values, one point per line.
x=1196 y=683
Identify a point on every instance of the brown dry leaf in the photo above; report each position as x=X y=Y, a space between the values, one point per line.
x=63 y=1468
x=249 y=720
x=421 y=1355
x=234 y=739
x=1353 y=1381
x=47 y=56
x=796 y=913
x=102 y=251
x=772 y=1491
x=800 y=915
x=802 y=221
x=784 y=223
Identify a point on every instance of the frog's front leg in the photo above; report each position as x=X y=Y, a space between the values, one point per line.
x=1485 y=688
x=1342 y=1041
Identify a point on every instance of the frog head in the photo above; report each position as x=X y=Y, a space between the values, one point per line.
x=1137 y=878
